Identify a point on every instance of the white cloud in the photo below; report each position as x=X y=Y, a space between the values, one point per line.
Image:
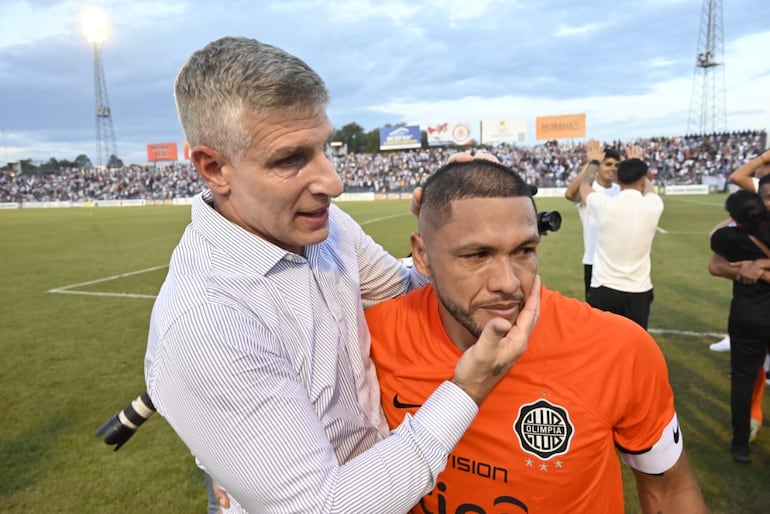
x=30 y=23
x=578 y=30
x=660 y=62
x=661 y=110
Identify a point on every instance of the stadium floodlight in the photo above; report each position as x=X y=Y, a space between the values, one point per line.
x=95 y=28
x=95 y=25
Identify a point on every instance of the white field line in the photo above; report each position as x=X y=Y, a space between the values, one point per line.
x=384 y=218
x=685 y=332
x=94 y=293
x=68 y=289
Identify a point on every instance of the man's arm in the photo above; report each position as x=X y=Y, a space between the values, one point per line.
x=746 y=272
x=742 y=177
x=594 y=152
x=587 y=181
x=674 y=491
x=721 y=267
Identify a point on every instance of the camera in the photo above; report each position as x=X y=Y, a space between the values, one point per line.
x=119 y=428
x=548 y=221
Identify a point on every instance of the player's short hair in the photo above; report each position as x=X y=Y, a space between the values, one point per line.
x=611 y=153
x=478 y=178
x=631 y=171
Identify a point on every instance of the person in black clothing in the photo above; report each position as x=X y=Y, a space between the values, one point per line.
x=749 y=323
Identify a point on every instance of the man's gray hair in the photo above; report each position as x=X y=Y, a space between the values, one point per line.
x=235 y=76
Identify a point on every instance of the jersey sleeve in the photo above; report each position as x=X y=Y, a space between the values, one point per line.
x=663 y=454
x=648 y=411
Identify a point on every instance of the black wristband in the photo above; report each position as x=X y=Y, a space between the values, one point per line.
x=595 y=162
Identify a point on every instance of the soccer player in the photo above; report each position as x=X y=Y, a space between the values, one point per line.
x=625 y=229
x=606 y=161
x=589 y=382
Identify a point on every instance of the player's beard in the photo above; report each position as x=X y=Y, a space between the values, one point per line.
x=465 y=317
x=462 y=316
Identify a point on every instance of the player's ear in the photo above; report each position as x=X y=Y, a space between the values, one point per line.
x=209 y=163
x=420 y=258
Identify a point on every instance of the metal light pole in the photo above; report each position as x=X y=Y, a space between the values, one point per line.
x=95 y=30
x=707 y=102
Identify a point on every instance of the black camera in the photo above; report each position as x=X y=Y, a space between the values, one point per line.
x=548 y=221
x=119 y=428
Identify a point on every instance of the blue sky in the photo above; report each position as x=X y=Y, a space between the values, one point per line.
x=627 y=64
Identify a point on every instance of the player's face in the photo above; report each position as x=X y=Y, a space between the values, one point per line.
x=282 y=188
x=608 y=169
x=483 y=263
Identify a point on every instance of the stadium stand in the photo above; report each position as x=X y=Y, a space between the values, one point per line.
x=683 y=160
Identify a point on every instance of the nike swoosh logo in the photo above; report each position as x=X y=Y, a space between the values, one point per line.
x=399 y=405
x=676 y=435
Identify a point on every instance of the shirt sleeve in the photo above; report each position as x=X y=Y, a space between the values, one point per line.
x=243 y=412
x=381 y=275
x=663 y=454
x=648 y=400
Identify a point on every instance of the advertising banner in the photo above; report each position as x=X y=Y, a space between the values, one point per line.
x=399 y=138
x=161 y=152
x=449 y=133
x=511 y=130
x=565 y=126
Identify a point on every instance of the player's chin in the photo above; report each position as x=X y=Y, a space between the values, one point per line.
x=485 y=315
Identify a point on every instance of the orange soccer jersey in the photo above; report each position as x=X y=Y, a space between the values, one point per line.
x=545 y=440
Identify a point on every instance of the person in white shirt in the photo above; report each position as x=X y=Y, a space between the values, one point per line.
x=258 y=350
x=626 y=226
x=606 y=160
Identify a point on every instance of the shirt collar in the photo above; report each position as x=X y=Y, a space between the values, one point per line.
x=247 y=251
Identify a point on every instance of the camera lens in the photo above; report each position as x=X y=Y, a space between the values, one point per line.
x=548 y=221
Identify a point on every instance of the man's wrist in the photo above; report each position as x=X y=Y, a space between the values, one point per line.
x=594 y=162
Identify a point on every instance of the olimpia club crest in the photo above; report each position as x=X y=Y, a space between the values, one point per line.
x=544 y=429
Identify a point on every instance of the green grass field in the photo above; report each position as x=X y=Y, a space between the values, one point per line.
x=70 y=359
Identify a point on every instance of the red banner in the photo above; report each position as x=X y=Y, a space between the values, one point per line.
x=162 y=152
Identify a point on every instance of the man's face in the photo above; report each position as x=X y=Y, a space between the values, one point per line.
x=608 y=169
x=282 y=188
x=482 y=261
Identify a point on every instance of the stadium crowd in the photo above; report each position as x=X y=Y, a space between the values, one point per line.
x=672 y=160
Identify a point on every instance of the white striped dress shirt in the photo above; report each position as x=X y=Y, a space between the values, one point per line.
x=259 y=360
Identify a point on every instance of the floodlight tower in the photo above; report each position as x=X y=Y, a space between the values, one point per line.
x=707 y=103
x=95 y=29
